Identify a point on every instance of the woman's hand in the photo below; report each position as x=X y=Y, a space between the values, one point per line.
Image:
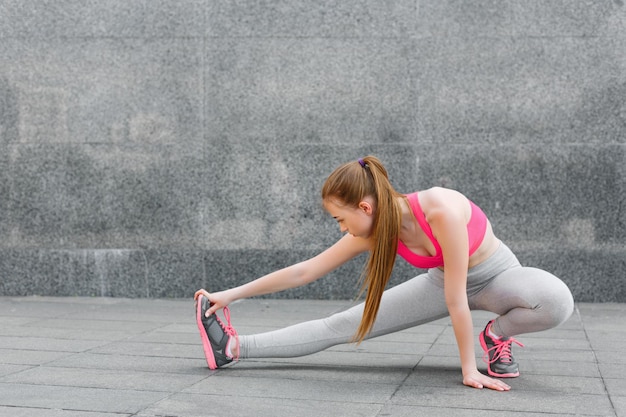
x=475 y=379
x=218 y=300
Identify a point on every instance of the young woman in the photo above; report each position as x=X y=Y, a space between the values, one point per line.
x=437 y=229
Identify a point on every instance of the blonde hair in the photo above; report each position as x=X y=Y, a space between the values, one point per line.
x=349 y=184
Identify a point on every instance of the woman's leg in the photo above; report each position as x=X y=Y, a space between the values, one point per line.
x=527 y=300
x=406 y=305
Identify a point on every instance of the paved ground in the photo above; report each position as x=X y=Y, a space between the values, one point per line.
x=102 y=357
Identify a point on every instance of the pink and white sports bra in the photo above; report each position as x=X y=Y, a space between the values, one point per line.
x=476 y=228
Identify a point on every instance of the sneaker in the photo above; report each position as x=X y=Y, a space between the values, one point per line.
x=498 y=357
x=215 y=335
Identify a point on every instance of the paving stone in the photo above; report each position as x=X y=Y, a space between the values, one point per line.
x=191 y=405
x=41 y=412
x=77 y=398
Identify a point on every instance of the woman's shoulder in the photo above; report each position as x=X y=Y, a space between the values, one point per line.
x=439 y=199
x=440 y=195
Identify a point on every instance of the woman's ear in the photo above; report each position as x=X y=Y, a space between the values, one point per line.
x=366 y=207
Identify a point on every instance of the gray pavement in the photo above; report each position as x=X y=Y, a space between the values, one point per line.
x=105 y=357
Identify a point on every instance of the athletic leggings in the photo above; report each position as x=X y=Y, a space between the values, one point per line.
x=526 y=300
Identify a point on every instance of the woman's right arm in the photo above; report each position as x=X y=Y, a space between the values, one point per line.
x=292 y=276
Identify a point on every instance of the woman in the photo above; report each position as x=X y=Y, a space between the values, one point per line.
x=437 y=229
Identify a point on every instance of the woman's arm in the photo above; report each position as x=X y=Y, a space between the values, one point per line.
x=448 y=221
x=450 y=230
x=292 y=276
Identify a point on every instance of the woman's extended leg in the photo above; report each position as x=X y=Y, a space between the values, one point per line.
x=406 y=305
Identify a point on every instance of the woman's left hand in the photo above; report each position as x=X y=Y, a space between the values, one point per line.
x=475 y=379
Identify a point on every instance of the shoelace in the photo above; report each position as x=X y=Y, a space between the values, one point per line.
x=502 y=351
x=230 y=330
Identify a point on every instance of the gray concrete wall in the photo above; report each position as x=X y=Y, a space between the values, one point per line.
x=153 y=147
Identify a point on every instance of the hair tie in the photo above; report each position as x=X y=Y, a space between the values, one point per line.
x=362 y=162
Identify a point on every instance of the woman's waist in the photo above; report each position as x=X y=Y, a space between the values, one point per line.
x=488 y=247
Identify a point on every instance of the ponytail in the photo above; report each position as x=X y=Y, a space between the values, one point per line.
x=350 y=184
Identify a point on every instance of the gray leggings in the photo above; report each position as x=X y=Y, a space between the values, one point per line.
x=526 y=300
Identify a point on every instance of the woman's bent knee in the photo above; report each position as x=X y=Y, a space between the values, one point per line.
x=559 y=303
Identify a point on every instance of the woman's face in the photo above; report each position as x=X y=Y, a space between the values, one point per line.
x=357 y=221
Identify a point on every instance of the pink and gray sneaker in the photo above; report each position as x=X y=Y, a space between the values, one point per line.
x=215 y=335
x=498 y=357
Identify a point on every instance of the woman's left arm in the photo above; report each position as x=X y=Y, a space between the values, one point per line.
x=449 y=227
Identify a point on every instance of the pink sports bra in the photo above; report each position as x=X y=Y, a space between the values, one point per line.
x=476 y=228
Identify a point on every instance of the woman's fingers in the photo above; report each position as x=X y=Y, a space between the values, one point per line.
x=199 y=293
x=478 y=380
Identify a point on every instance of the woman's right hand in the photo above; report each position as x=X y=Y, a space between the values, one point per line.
x=218 y=300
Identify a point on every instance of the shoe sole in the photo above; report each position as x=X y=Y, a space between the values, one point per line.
x=483 y=344
x=206 y=344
